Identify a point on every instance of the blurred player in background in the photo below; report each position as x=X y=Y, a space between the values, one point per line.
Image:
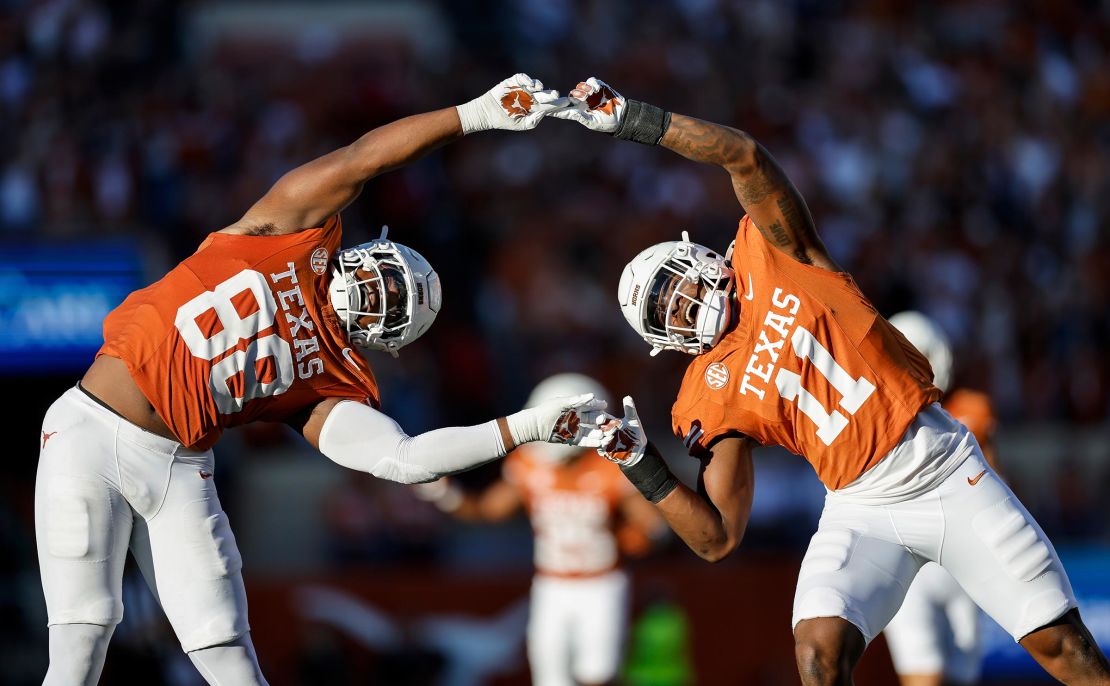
x=262 y=323
x=584 y=514
x=934 y=637
x=791 y=353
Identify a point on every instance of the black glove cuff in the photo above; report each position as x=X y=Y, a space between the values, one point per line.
x=650 y=476
x=643 y=123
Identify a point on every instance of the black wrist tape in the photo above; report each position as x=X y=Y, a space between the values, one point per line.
x=650 y=476
x=643 y=123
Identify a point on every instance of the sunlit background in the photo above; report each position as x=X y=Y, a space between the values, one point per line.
x=955 y=156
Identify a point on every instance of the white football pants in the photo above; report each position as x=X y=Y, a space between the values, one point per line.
x=576 y=628
x=863 y=557
x=936 y=631
x=105 y=485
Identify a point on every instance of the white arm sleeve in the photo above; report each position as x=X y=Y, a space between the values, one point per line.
x=359 y=437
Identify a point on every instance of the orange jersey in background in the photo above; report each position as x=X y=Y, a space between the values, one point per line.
x=573 y=510
x=973 y=409
x=240 y=331
x=810 y=366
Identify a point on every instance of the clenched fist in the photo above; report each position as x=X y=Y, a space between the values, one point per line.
x=516 y=104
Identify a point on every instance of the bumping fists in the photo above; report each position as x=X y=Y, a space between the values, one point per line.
x=623 y=439
x=518 y=103
x=595 y=105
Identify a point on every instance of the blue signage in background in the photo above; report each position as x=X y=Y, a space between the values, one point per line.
x=1089 y=572
x=53 y=300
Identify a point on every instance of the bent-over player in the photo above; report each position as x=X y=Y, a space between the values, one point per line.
x=789 y=352
x=264 y=322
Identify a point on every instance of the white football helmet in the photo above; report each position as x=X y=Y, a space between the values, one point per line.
x=386 y=294
x=676 y=274
x=927 y=337
x=557 y=386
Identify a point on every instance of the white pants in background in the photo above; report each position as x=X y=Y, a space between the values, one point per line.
x=103 y=486
x=576 y=628
x=936 y=631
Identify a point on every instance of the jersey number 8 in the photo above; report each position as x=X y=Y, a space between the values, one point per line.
x=233 y=329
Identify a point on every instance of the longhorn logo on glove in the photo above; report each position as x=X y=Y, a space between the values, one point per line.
x=623 y=442
x=567 y=426
x=517 y=102
x=605 y=100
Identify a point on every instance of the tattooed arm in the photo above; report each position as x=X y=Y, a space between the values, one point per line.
x=761 y=186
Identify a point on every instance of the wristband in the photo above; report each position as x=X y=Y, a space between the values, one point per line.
x=472 y=116
x=524 y=426
x=643 y=123
x=650 y=476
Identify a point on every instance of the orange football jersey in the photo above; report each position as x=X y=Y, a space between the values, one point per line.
x=573 y=510
x=810 y=366
x=239 y=332
x=973 y=409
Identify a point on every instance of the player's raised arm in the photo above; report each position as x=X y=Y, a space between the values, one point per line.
x=710 y=520
x=306 y=196
x=761 y=186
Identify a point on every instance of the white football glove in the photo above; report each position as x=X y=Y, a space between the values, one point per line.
x=595 y=105
x=569 y=419
x=624 y=439
x=516 y=104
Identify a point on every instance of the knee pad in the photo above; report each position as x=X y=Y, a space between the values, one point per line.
x=209 y=537
x=199 y=576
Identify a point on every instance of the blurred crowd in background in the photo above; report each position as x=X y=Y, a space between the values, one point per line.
x=954 y=155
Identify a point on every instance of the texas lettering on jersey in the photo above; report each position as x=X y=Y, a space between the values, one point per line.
x=239 y=332
x=573 y=510
x=810 y=366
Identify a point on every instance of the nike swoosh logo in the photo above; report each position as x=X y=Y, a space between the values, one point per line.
x=750 y=294
x=972 y=482
x=347 y=354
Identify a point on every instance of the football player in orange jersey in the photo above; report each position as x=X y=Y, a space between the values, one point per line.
x=261 y=323
x=790 y=352
x=934 y=637
x=584 y=514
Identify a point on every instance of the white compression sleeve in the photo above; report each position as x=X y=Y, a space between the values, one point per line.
x=357 y=436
